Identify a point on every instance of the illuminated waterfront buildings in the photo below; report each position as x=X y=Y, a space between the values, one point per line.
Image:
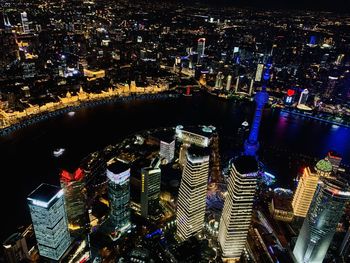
x=237 y=212
x=192 y=193
x=73 y=185
x=48 y=213
x=118 y=174
x=305 y=192
x=150 y=189
x=322 y=219
x=303 y=97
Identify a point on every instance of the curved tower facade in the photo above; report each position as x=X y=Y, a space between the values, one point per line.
x=237 y=212
x=192 y=193
x=321 y=222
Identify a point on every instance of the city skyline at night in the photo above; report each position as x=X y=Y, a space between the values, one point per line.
x=175 y=131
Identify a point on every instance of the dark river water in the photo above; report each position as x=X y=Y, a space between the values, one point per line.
x=26 y=158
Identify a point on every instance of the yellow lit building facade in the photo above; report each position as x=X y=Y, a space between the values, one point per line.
x=305 y=192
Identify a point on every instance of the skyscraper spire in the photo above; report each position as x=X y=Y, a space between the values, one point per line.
x=251 y=145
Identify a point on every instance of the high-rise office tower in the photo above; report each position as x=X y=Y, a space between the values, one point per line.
x=305 y=192
x=237 y=212
x=47 y=209
x=331 y=85
x=322 y=219
x=150 y=189
x=218 y=81
x=192 y=193
x=303 y=97
x=167 y=149
x=228 y=82
x=118 y=174
x=251 y=145
x=73 y=185
x=259 y=72
x=25 y=23
x=200 y=49
x=324 y=168
x=335 y=159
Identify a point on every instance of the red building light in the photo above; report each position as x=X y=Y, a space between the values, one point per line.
x=290 y=92
x=69 y=177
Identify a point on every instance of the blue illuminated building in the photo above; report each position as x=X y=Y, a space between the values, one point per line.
x=251 y=145
x=313 y=40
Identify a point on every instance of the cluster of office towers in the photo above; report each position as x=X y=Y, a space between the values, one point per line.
x=237 y=212
x=319 y=199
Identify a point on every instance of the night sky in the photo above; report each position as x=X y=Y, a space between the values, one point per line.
x=322 y=5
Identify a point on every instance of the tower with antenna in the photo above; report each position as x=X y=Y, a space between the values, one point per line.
x=251 y=145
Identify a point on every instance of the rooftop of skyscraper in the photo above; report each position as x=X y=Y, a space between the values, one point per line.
x=118 y=167
x=246 y=164
x=44 y=192
x=198 y=152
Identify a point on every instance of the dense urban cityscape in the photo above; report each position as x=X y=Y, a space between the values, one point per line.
x=146 y=131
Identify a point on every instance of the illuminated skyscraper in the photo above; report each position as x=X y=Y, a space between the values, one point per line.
x=322 y=219
x=218 y=81
x=331 y=86
x=303 y=97
x=200 y=49
x=237 y=212
x=73 y=185
x=25 y=23
x=259 y=72
x=167 y=149
x=150 y=189
x=228 y=82
x=251 y=145
x=305 y=192
x=118 y=174
x=192 y=194
x=47 y=209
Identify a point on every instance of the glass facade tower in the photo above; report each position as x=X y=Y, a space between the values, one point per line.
x=118 y=174
x=150 y=189
x=73 y=185
x=320 y=224
x=47 y=210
